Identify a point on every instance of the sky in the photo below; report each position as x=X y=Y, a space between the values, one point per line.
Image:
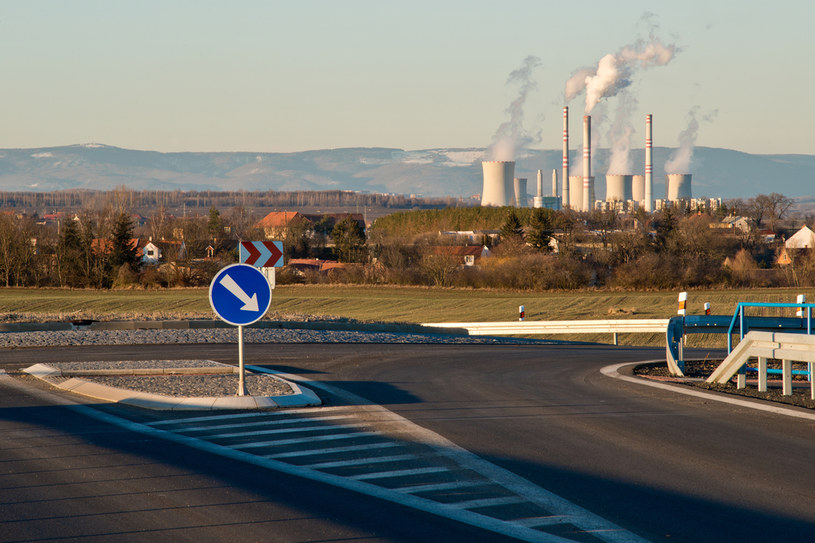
x=284 y=76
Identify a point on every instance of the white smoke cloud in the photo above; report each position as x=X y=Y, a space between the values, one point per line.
x=577 y=82
x=614 y=72
x=511 y=137
x=680 y=160
x=620 y=134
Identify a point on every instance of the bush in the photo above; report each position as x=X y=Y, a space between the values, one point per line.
x=125 y=277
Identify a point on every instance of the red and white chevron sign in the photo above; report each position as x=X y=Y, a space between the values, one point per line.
x=262 y=254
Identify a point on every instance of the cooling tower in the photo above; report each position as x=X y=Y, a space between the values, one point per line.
x=520 y=192
x=587 y=199
x=498 y=189
x=677 y=186
x=638 y=188
x=565 y=176
x=649 y=165
x=618 y=187
x=537 y=200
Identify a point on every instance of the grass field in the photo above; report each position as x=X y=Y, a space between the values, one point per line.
x=375 y=303
x=385 y=304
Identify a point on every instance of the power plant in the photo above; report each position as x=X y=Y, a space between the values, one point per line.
x=624 y=191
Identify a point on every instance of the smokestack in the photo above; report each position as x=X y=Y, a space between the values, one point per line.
x=649 y=167
x=554 y=183
x=587 y=203
x=565 y=175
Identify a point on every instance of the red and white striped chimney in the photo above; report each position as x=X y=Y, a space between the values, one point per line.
x=587 y=204
x=565 y=175
x=649 y=167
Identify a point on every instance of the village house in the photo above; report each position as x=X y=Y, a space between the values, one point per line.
x=802 y=239
x=467 y=255
x=276 y=225
x=732 y=222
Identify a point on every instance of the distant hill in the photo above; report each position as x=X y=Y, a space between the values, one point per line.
x=433 y=172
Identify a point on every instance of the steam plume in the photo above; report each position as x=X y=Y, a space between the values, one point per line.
x=614 y=72
x=511 y=136
x=620 y=135
x=681 y=158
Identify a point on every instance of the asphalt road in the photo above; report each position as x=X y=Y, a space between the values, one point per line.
x=664 y=466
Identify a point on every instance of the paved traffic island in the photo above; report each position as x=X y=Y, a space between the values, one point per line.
x=174 y=385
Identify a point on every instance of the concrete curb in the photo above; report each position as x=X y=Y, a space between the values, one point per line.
x=614 y=372
x=300 y=397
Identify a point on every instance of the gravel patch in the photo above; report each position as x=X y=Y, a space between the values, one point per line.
x=212 y=384
x=134 y=365
x=227 y=335
x=196 y=385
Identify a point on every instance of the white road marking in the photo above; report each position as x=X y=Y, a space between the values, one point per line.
x=398 y=473
x=301 y=440
x=441 y=486
x=534 y=522
x=298 y=430
x=363 y=461
x=487 y=502
x=299 y=420
x=322 y=452
x=269 y=414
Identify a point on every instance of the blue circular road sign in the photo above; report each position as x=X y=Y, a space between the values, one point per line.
x=240 y=294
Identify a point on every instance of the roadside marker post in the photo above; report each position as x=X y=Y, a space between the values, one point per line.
x=683 y=300
x=240 y=295
x=707 y=308
x=521 y=313
x=801 y=298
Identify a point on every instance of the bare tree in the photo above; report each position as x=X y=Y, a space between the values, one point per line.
x=777 y=207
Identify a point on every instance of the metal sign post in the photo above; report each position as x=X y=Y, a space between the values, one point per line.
x=240 y=295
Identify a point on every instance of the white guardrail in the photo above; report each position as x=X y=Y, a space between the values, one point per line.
x=613 y=327
x=764 y=346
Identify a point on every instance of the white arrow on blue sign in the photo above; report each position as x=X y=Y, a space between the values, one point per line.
x=240 y=294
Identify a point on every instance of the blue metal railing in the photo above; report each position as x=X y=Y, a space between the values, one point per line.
x=724 y=324
x=746 y=322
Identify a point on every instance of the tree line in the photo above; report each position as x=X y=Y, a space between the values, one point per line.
x=528 y=248
x=147 y=201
